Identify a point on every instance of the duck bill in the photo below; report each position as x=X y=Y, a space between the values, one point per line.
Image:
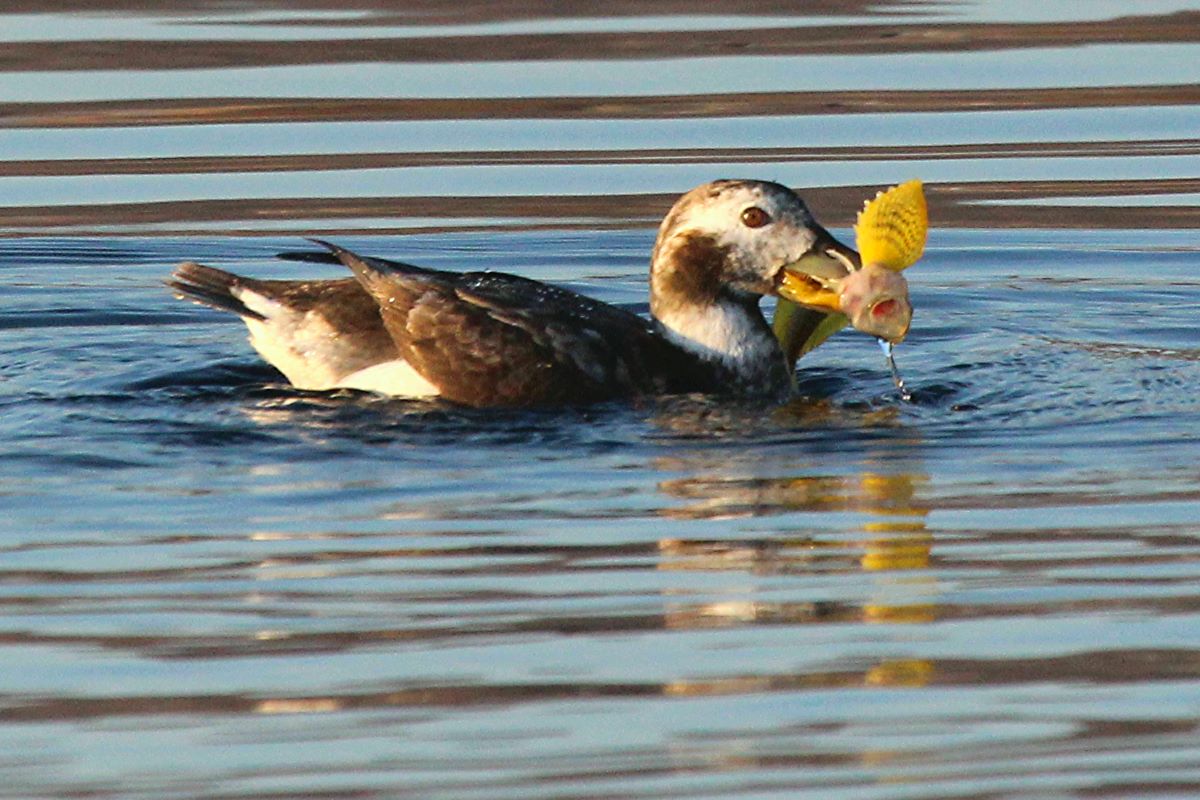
x=834 y=250
x=814 y=280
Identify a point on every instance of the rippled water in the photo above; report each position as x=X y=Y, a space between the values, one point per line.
x=215 y=586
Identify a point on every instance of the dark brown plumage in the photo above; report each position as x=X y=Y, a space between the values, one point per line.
x=490 y=339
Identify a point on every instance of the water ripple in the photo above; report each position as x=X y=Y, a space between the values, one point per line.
x=213 y=585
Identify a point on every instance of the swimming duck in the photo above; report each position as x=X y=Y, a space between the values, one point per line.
x=494 y=339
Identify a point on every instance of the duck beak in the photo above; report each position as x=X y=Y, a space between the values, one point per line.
x=830 y=279
x=814 y=280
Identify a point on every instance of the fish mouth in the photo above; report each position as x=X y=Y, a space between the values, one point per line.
x=876 y=301
x=831 y=278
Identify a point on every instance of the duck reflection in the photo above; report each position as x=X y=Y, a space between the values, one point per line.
x=888 y=539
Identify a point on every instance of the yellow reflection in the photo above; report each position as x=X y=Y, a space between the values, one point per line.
x=902 y=672
x=298 y=705
x=911 y=673
x=899 y=614
x=893 y=545
x=895 y=540
x=896 y=545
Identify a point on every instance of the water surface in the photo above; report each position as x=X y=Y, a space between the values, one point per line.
x=216 y=586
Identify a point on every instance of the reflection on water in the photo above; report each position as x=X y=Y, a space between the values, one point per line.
x=215 y=586
x=893 y=538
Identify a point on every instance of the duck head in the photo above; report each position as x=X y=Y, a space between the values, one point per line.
x=728 y=243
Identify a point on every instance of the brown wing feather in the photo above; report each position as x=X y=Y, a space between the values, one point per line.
x=478 y=358
x=494 y=339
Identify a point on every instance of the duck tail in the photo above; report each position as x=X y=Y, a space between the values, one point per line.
x=211 y=287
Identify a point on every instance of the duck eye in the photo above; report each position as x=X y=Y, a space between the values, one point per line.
x=755 y=217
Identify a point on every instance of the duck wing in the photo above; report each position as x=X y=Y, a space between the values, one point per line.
x=488 y=338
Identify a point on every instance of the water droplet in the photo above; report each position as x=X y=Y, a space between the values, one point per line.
x=889 y=351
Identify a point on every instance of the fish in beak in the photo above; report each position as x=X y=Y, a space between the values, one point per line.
x=831 y=280
x=833 y=285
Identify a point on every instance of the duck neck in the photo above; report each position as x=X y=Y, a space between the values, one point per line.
x=719 y=325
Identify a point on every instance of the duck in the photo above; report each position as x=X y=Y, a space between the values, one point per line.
x=494 y=339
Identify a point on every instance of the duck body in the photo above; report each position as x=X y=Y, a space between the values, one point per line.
x=495 y=339
x=476 y=338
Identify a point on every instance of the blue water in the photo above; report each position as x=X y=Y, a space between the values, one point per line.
x=214 y=585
